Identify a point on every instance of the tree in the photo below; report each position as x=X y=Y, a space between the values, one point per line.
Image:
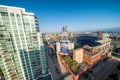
x=74 y=66
x=1 y=72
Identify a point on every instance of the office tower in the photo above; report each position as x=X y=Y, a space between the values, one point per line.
x=64 y=33
x=22 y=55
x=99 y=34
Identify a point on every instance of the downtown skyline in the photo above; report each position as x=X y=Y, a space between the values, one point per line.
x=59 y=40
x=78 y=15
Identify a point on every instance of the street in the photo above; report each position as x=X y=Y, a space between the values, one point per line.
x=51 y=63
x=56 y=68
x=108 y=68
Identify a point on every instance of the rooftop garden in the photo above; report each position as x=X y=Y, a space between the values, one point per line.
x=73 y=65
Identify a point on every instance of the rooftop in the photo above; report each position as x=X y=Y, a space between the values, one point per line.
x=11 y=7
x=91 y=51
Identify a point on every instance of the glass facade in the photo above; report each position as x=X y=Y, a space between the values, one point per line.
x=22 y=55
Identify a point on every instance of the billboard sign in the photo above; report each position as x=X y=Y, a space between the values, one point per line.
x=64 y=47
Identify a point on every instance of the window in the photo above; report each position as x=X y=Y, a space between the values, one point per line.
x=18 y=18
x=23 y=42
x=8 y=27
x=0 y=22
x=3 y=9
x=6 y=23
x=22 y=38
x=13 y=19
x=19 y=47
x=15 y=31
x=21 y=35
x=16 y=35
x=19 y=24
x=4 y=14
x=18 y=15
x=26 y=24
x=12 y=14
x=13 y=23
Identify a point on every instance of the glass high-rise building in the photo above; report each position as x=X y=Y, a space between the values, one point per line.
x=22 y=55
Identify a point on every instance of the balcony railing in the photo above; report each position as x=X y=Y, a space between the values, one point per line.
x=1 y=51
x=2 y=28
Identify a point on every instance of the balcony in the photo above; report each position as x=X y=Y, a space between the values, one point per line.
x=8 y=69
x=34 y=38
x=2 y=28
x=3 y=56
x=35 y=41
x=35 y=45
x=2 y=44
x=6 y=60
x=5 y=51
x=9 y=64
x=0 y=48
x=13 y=76
x=33 y=34
x=11 y=72
x=30 y=47
x=8 y=39
x=1 y=51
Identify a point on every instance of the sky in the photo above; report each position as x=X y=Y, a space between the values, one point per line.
x=78 y=15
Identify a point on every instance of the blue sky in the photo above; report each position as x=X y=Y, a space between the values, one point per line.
x=78 y=15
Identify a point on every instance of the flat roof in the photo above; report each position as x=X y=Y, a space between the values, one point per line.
x=89 y=51
x=23 y=9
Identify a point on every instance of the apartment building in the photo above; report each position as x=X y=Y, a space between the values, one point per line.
x=22 y=55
